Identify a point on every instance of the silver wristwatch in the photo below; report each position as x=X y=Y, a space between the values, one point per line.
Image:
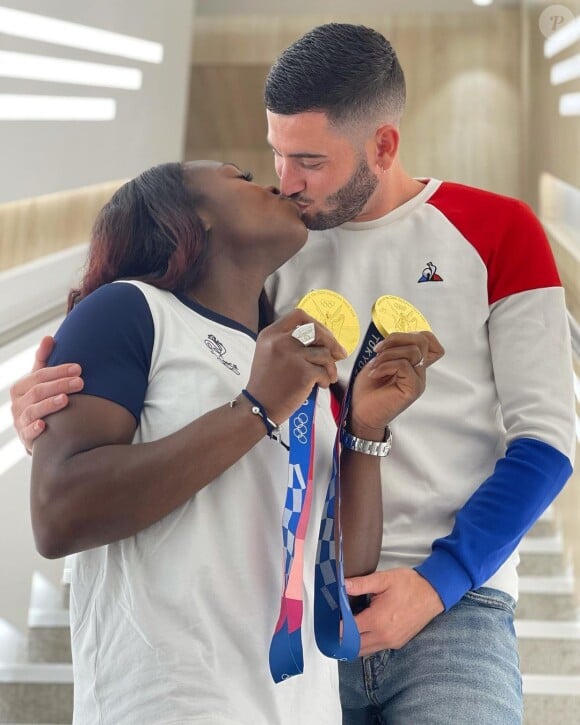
x=371 y=448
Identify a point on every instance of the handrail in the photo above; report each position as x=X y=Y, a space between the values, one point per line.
x=575 y=335
x=36 y=292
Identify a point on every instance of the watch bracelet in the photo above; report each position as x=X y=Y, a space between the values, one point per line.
x=370 y=448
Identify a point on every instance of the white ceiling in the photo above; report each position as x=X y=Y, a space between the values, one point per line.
x=336 y=7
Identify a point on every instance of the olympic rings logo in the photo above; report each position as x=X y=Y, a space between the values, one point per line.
x=300 y=428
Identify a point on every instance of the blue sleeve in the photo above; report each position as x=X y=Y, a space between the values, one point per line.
x=110 y=334
x=492 y=522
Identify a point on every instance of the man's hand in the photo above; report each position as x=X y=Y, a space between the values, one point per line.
x=42 y=392
x=402 y=604
x=392 y=380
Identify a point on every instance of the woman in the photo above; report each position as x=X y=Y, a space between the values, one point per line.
x=161 y=472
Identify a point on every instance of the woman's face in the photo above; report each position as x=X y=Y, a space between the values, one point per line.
x=248 y=218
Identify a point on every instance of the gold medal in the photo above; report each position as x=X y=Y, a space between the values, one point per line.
x=394 y=314
x=334 y=312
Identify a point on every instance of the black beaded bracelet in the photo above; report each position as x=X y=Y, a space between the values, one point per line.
x=272 y=429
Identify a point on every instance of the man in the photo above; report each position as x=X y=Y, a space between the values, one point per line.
x=481 y=455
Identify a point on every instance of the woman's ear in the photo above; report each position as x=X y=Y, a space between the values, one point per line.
x=204 y=217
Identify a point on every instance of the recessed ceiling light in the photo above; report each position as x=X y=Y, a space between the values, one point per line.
x=563 y=38
x=482 y=3
x=61 y=70
x=570 y=104
x=74 y=35
x=56 y=108
x=565 y=70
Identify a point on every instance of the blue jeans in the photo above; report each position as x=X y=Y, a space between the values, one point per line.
x=462 y=669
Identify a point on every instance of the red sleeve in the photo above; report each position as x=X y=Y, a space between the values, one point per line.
x=505 y=233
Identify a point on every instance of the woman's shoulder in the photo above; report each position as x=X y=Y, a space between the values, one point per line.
x=115 y=310
x=112 y=294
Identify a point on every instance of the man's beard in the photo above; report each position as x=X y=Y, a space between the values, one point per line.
x=346 y=203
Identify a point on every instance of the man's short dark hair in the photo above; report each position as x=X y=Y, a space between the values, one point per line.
x=350 y=72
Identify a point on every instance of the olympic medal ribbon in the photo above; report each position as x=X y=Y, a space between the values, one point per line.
x=334 y=626
x=286 y=658
x=335 y=629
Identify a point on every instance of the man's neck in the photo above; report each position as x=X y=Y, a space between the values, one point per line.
x=395 y=188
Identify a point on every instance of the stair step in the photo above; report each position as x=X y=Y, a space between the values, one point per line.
x=547 y=597
x=551 y=710
x=551 y=699
x=546 y=585
x=557 y=657
x=49 y=644
x=12 y=643
x=550 y=544
x=36 y=693
x=548 y=647
x=542 y=564
x=546 y=629
x=559 y=607
x=48 y=623
x=35 y=702
x=542 y=527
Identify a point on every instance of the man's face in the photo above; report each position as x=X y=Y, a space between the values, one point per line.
x=320 y=169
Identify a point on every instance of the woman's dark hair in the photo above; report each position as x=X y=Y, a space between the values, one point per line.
x=350 y=72
x=149 y=230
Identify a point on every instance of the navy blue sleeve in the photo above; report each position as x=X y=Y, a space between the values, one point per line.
x=492 y=522
x=110 y=334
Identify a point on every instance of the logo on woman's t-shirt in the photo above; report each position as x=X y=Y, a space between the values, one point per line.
x=219 y=350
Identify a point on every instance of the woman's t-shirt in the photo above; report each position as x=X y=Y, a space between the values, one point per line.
x=173 y=625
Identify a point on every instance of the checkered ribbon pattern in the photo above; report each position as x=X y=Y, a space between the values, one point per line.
x=286 y=658
x=335 y=629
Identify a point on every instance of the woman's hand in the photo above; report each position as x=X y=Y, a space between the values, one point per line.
x=284 y=371
x=391 y=381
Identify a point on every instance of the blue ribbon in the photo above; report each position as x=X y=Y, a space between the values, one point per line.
x=331 y=604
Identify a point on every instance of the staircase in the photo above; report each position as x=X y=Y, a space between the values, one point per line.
x=35 y=668
x=36 y=675
x=548 y=628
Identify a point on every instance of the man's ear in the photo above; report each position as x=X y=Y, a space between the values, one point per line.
x=386 y=141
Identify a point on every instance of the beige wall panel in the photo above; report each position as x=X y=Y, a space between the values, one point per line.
x=257 y=40
x=463 y=108
x=463 y=70
x=32 y=228
x=554 y=147
x=554 y=143
x=226 y=107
